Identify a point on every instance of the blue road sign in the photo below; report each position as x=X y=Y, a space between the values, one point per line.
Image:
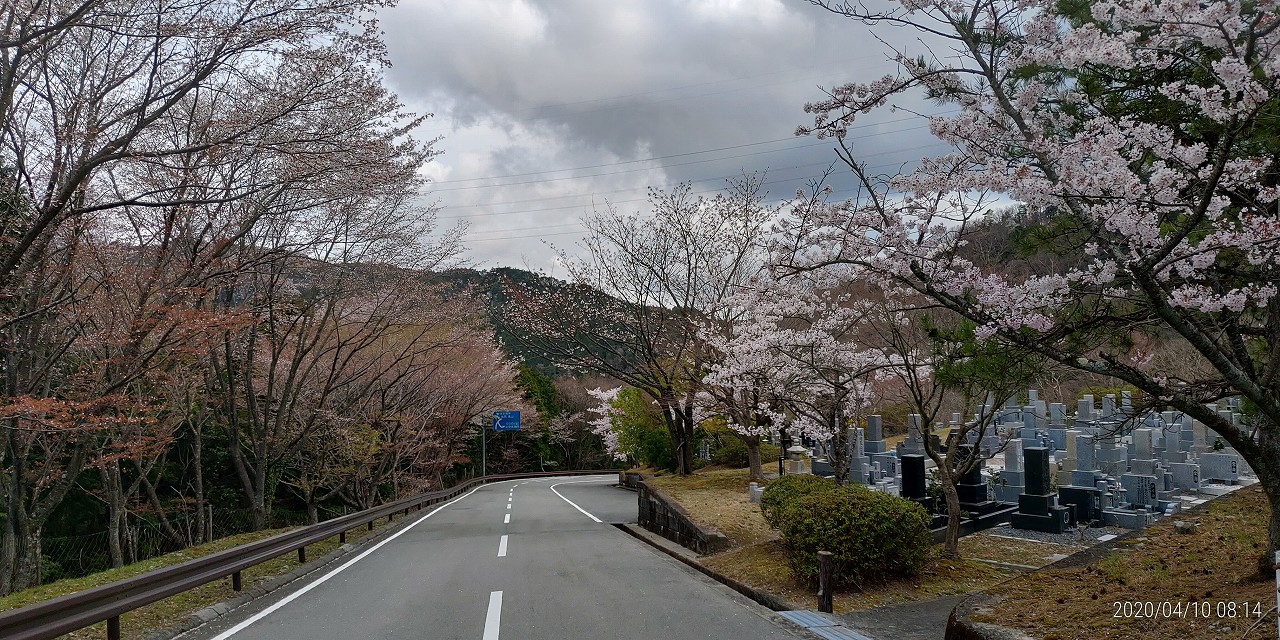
x=506 y=420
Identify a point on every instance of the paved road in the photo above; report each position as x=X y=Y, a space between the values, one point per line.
x=516 y=560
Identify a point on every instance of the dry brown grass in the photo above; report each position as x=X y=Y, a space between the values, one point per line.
x=763 y=566
x=718 y=498
x=1217 y=563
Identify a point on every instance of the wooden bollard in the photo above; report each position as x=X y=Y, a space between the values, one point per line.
x=824 y=581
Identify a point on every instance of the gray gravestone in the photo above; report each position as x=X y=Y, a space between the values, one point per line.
x=1013 y=456
x=1084 y=408
x=1086 y=455
x=856 y=451
x=1143 y=444
x=1140 y=490
x=1220 y=467
x=1144 y=467
x=1057 y=414
x=1186 y=476
x=1108 y=406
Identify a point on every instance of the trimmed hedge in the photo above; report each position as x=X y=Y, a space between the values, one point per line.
x=732 y=452
x=780 y=492
x=872 y=536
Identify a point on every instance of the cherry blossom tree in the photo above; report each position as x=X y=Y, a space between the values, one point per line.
x=1142 y=133
x=937 y=366
x=150 y=154
x=643 y=290
x=797 y=358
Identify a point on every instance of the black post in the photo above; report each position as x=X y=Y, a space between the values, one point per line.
x=302 y=555
x=342 y=538
x=236 y=584
x=371 y=525
x=783 y=442
x=113 y=628
x=824 y=581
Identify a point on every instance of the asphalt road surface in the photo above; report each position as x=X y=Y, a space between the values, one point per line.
x=516 y=560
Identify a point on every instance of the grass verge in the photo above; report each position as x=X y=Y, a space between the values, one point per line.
x=1215 y=568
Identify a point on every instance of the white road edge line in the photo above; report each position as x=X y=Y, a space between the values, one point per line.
x=507 y=520
x=296 y=594
x=493 y=619
x=584 y=511
x=502 y=547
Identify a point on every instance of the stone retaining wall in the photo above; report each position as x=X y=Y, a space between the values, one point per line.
x=661 y=515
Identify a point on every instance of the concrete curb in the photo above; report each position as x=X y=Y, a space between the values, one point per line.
x=247 y=596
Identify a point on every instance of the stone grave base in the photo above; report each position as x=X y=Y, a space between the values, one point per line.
x=1056 y=521
x=1128 y=519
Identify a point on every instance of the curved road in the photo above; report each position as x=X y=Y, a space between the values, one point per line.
x=516 y=560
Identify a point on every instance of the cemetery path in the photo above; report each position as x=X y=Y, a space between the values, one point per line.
x=516 y=560
x=925 y=620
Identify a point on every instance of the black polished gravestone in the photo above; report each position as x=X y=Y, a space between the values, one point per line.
x=1085 y=504
x=913 y=480
x=1038 y=508
x=972 y=490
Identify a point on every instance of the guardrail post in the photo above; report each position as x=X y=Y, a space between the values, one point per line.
x=236 y=584
x=824 y=582
x=342 y=538
x=371 y=525
x=113 y=628
x=302 y=555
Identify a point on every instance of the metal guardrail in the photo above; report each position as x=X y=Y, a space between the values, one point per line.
x=64 y=614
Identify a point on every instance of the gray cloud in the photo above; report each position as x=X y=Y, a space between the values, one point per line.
x=541 y=87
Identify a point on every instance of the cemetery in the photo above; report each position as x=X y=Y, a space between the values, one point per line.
x=1042 y=468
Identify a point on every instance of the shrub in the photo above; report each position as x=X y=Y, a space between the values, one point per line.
x=781 y=492
x=871 y=536
x=732 y=453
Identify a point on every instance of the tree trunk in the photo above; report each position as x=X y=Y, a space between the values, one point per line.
x=27 y=571
x=154 y=499
x=1267 y=466
x=756 y=470
x=261 y=506
x=951 y=547
x=684 y=449
x=20 y=552
x=25 y=517
x=110 y=473
x=680 y=427
x=197 y=461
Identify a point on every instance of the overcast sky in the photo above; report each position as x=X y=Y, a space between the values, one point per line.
x=549 y=109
